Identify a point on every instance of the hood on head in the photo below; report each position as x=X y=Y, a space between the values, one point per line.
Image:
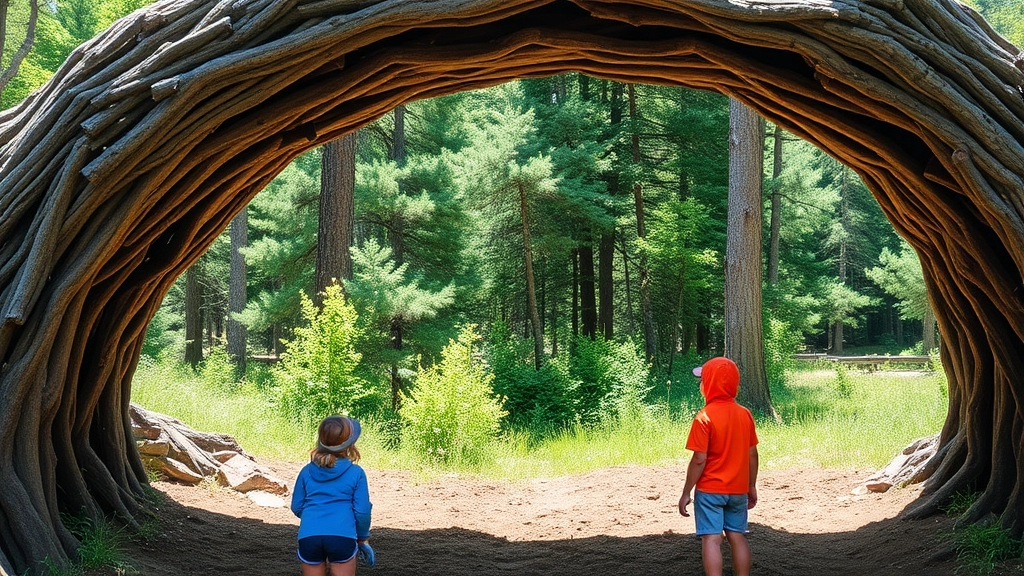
x=719 y=379
x=327 y=474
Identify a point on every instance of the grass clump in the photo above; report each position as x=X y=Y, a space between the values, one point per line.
x=99 y=549
x=980 y=548
x=240 y=409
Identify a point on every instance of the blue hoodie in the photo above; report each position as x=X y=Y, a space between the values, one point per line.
x=332 y=501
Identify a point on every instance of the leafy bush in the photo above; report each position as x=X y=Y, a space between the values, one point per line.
x=535 y=399
x=452 y=413
x=217 y=369
x=596 y=382
x=780 y=343
x=316 y=374
x=628 y=383
x=612 y=380
x=842 y=385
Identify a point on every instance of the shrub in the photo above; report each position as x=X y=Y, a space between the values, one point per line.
x=452 y=413
x=316 y=375
x=160 y=338
x=613 y=380
x=535 y=399
x=780 y=343
x=217 y=370
x=628 y=383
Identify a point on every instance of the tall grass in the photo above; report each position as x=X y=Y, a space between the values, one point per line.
x=833 y=418
x=206 y=402
x=855 y=419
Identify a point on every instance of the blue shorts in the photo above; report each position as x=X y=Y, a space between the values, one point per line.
x=335 y=549
x=717 y=512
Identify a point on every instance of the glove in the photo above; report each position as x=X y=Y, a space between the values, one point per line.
x=366 y=554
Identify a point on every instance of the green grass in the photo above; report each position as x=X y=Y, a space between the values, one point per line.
x=981 y=548
x=861 y=420
x=239 y=409
x=100 y=549
x=858 y=420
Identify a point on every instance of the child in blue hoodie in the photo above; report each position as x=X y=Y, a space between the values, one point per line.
x=332 y=501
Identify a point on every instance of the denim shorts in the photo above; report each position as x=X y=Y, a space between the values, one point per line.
x=335 y=549
x=714 y=513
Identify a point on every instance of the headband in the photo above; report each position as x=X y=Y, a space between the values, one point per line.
x=353 y=435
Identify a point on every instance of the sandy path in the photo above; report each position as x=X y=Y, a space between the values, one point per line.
x=621 y=519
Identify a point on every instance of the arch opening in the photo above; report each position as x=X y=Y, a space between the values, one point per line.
x=117 y=175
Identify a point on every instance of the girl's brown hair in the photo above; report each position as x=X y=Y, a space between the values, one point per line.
x=333 y=431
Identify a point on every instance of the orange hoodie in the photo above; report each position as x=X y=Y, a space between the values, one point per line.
x=723 y=429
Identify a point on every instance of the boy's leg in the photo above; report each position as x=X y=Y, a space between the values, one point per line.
x=740 y=553
x=711 y=552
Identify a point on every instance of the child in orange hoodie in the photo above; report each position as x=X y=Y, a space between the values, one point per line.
x=723 y=468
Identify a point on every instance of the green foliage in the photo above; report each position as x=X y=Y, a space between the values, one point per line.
x=980 y=548
x=780 y=343
x=161 y=338
x=452 y=413
x=100 y=547
x=960 y=502
x=901 y=277
x=217 y=369
x=841 y=384
x=316 y=375
x=598 y=381
x=538 y=400
x=280 y=258
x=391 y=301
x=844 y=304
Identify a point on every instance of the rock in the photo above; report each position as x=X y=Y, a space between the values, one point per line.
x=244 y=475
x=266 y=499
x=158 y=447
x=910 y=466
x=223 y=456
x=178 y=471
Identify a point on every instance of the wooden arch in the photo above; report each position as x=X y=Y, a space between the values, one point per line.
x=117 y=174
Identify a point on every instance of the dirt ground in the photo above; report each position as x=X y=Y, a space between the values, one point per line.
x=615 y=520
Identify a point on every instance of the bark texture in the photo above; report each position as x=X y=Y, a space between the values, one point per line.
x=117 y=174
x=237 y=332
x=335 y=226
x=744 y=339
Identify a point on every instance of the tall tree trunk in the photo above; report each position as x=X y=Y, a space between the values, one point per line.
x=630 y=321
x=844 y=244
x=744 y=341
x=650 y=336
x=7 y=74
x=588 y=305
x=605 y=268
x=928 y=331
x=193 y=317
x=337 y=213
x=776 y=213
x=396 y=228
x=531 y=292
x=554 y=326
x=237 y=296
x=574 y=316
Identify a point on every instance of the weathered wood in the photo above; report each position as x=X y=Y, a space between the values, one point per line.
x=919 y=97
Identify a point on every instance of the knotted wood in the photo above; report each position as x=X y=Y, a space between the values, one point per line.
x=117 y=175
